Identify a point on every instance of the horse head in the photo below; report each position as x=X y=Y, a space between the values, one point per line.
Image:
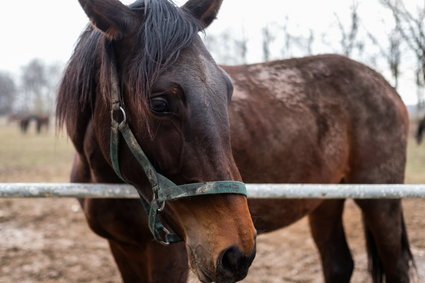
x=176 y=103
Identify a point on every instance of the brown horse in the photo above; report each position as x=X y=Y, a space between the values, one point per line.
x=24 y=123
x=323 y=119
x=22 y=119
x=176 y=104
x=420 y=131
x=42 y=121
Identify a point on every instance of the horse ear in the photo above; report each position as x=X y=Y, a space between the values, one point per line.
x=112 y=17
x=204 y=10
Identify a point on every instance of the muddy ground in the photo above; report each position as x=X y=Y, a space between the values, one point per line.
x=47 y=240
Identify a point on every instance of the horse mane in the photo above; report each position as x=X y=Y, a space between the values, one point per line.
x=165 y=31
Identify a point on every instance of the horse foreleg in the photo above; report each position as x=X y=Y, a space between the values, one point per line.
x=150 y=262
x=386 y=239
x=328 y=233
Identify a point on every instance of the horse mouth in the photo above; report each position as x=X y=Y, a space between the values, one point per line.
x=205 y=277
x=219 y=274
x=198 y=266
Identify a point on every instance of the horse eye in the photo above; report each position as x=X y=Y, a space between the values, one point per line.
x=159 y=105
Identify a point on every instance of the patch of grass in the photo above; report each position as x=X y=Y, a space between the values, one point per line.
x=415 y=168
x=30 y=157
x=48 y=157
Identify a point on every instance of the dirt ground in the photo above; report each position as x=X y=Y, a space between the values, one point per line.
x=47 y=240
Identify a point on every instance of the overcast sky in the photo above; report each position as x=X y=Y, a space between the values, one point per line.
x=48 y=29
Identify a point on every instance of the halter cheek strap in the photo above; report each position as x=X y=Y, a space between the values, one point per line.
x=163 y=189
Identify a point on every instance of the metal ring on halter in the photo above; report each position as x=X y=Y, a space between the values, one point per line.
x=161 y=208
x=124 y=116
x=167 y=232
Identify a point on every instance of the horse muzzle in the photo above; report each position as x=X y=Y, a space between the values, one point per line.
x=232 y=265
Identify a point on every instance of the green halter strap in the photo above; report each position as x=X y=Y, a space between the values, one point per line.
x=163 y=189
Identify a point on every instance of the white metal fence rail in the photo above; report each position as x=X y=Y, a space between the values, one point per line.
x=263 y=191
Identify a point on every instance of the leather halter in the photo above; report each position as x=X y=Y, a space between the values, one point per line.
x=163 y=189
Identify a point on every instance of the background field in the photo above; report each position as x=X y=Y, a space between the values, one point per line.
x=47 y=240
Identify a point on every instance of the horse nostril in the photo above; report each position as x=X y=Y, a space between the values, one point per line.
x=231 y=258
x=232 y=265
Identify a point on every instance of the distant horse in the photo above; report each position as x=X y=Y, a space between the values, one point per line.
x=420 y=130
x=12 y=117
x=22 y=120
x=323 y=119
x=41 y=122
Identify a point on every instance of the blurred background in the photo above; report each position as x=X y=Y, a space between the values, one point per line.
x=47 y=240
x=38 y=38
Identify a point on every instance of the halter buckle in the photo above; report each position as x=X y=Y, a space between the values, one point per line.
x=115 y=117
x=165 y=241
x=161 y=207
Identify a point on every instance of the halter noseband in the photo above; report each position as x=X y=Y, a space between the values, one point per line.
x=163 y=189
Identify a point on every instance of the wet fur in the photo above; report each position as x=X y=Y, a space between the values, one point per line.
x=324 y=119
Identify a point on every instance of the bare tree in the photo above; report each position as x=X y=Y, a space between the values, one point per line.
x=267 y=39
x=33 y=84
x=412 y=30
x=38 y=84
x=241 y=46
x=7 y=93
x=303 y=44
x=54 y=75
x=225 y=49
x=349 y=39
x=293 y=43
x=392 y=53
x=310 y=42
x=287 y=39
